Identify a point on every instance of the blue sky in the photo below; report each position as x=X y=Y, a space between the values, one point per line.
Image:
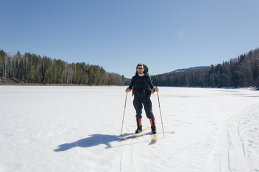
x=119 y=34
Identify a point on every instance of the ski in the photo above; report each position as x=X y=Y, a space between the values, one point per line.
x=153 y=138
x=134 y=135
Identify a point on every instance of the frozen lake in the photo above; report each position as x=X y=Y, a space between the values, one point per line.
x=62 y=128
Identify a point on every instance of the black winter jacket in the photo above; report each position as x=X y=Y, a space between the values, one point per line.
x=141 y=85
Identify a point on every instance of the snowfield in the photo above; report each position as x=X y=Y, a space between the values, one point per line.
x=56 y=129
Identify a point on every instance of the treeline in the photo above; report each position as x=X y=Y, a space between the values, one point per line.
x=242 y=71
x=31 y=68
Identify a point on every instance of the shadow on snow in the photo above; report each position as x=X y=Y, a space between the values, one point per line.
x=93 y=140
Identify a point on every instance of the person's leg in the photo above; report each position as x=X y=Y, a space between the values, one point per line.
x=137 y=102
x=148 y=109
x=153 y=125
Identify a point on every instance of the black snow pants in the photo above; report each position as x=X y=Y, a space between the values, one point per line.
x=139 y=101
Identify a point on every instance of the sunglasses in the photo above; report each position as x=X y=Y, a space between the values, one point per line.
x=140 y=68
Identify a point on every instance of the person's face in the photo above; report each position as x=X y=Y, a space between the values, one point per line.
x=140 y=69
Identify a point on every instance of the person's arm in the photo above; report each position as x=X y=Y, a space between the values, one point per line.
x=150 y=83
x=153 y=89
x=132 y=83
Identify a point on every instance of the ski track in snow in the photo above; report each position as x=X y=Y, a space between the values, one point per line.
x=78 y=129
x=238 y=147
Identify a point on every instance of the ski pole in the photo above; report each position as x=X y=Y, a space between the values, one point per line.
x=124 y=113
x=160 y=114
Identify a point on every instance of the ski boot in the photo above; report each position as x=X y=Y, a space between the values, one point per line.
x=139 y=124
x=153 y=129
x=153 y=125
x=139 y=129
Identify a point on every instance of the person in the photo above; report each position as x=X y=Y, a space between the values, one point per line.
x=142 y=88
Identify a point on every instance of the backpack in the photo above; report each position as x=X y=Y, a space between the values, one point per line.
x=145 y=69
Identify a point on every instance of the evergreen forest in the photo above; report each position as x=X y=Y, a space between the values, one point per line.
x=242 y=71
x=32 y=68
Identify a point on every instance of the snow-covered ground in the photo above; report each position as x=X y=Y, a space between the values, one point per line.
x=78 y=129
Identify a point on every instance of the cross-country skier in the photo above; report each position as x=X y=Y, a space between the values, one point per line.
x=142 y=88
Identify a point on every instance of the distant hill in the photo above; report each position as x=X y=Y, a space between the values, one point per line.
x=127 y=80
x=186 y=69
x=242 y=71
